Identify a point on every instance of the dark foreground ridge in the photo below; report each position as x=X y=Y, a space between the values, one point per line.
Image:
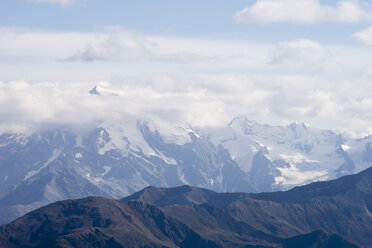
x=325 y=214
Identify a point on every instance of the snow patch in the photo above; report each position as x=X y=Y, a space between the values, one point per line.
x=166 y=159
x=254 y=149
x=259 y=143
x=297 y=158
x=294 y=176
x=219 y=178
x=125 y=136
x=107 y=170
x=21 y=139
x=181 y=176
x=173 y=135
x=78 y=155
x=345 y=147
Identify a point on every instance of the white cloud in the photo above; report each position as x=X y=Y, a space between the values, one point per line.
x=49 y=56
x=209 y=100
x=38 y=55
x=368 y=70
x=116 y=45
x=184 y=58
x=304 y=11
x=364 y=36
x=299 y=51
x=31 y=106
x=195 y=81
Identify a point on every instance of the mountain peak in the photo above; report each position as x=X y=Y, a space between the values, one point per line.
x=242 y=119
x=295 y=125
x=94 y=91
x=188 y=216
x=182 y=195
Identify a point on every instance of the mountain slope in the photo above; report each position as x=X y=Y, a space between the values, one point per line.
x=89 y=222
x=323 y=214
x=100 y=222
x=281 y=157
x=116 y=160
x=355 y=186
x=58 y=165
x=340 y=206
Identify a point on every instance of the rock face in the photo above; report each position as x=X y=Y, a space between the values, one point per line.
x=324 y=214
x=116 y=160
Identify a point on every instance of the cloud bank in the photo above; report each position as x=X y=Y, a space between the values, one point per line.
x=364 y=36
x=299 y=51
x=116 y=45
x=200 y=82
x=208 y=100
x=304 y=11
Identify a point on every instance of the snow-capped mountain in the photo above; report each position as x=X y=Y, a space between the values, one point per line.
x=115 y=160
x=111 y=161
x=281 y=157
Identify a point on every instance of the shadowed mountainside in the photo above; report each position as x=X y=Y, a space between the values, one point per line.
x=324 y=214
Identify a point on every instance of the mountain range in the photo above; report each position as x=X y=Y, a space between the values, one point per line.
x=116 y=160
x=328 y=214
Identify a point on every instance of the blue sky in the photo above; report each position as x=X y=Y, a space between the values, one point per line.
x=202 y=62
x=172 y=17
x=208 y=19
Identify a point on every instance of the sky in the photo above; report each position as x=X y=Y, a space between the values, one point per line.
x=186 y=62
